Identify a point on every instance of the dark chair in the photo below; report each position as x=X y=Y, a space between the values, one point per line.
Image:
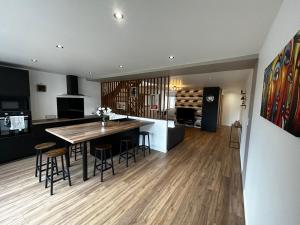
x=60 y=152
x=39 y=164
x=101 y=153
x=76 y=149
x=145 y=147
x=125 y=145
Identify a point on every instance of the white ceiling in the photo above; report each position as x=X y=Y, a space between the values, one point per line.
x=229 y=81
x=194 y=31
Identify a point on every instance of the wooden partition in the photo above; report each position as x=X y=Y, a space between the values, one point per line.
x=142 y=98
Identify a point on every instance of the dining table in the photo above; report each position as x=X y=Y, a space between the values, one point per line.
x=88 y=132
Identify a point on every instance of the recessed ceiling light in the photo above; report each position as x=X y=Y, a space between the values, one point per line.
x=171 y=57
x=59 y=46
x=118 y=15
x=121 y=66
x=34 y=60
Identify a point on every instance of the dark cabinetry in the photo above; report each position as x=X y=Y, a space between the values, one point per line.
x=14 y=82
x=18 y=147
x=210 y=109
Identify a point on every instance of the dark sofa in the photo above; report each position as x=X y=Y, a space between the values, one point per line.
x=175 y=135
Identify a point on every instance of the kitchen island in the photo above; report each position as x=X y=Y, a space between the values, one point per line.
x=96 y=133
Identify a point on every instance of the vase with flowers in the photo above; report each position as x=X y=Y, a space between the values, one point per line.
x=104 y=114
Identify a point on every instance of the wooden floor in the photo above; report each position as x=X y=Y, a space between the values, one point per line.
x=198 y=182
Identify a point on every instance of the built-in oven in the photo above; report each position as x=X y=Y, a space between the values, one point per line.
x=14 y=123
x=14 y=104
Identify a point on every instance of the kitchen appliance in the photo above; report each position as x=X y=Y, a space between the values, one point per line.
x=14 y=104
x=6 y=127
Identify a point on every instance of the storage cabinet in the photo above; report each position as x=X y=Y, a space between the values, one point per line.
x=211 y=108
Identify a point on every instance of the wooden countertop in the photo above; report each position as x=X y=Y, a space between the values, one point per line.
x=45 y=121
x=89 y=131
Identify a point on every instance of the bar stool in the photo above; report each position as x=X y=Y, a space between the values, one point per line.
x=103 y=165
x=40 y=149
x=76 y=149
x=143 y=146
x=124 y=153
x=50 y=161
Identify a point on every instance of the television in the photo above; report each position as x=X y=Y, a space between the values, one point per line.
x=185 y=114
x=70 y=108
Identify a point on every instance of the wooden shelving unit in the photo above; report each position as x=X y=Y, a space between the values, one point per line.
x=191 y=98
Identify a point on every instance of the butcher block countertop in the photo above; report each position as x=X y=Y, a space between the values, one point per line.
x=89 y=131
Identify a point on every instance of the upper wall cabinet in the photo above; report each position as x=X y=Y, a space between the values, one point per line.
x=14 y=82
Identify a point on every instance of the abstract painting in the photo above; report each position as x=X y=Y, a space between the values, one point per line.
x=281 y=89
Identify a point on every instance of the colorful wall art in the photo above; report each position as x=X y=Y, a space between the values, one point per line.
x=281 y=89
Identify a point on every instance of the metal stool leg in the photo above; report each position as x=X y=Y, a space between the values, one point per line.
x=47 y=173
x=144 y=144
x=95 y=164
x=126 y=154
x=101 y=166
x=63 y=167
x=112 y=162
x=51 y=181
x=40 y=166
x=149 y=143
x=36 y=163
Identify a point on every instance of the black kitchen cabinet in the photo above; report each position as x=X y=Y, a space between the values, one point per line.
x=18 y=147
x=14 y=82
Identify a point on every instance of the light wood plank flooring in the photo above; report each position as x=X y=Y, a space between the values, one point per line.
x=198 y=182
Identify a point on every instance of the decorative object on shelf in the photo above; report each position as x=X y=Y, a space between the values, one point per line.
x=210 y=98
x=175 y=85
x=243 y=98
x=104 y=113
x=154 y=102
x=121 y=105
x=133 y=92
x=281 y=91
x=41 y=88
x=191 y=99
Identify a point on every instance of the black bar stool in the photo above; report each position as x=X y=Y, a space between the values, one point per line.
x=125 y=143
x=39 y=164
x=103 y=165
x=50 y=161
x=76 y=149
x=143 y=146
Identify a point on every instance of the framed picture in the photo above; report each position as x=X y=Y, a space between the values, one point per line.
x=154 y=102
x=121 y=105
x=133 y=92
x=41 y=88
x=281 y=89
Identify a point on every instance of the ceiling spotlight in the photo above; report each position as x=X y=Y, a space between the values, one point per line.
x=118 y=15
x=34 y=60
x=59 y=46
x=121 y=66
x=171 y=57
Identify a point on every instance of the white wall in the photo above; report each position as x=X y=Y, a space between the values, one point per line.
x=44 y=103
x=244 y=118
x=272 y=183
x=158 y=132
x=231 y=107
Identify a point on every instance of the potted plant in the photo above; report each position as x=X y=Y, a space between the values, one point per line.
x=104 y=113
